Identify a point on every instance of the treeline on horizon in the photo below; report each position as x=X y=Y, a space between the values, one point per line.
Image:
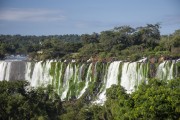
x=122 y=42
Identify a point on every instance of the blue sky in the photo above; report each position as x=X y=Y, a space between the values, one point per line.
x=50 y=17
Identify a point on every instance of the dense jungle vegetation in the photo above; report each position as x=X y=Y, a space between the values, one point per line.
x=122 y=42
x=157 y=100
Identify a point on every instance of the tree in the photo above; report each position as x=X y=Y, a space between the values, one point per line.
x=157 y=100
x=87 y=39
x=149 y=35
x=118 y=103
x=18 y=102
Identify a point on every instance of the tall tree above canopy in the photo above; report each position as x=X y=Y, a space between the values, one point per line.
x=123 y=35
x=149 y=35
x=124 y=29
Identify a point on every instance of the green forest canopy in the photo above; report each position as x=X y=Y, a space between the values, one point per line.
x=157 y=100
x=121 y=42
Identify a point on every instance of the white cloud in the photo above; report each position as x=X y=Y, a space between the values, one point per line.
x=35 y=15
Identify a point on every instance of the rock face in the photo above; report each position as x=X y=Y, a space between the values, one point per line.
x=152 y=70
x=72 y=80
x=161 y=59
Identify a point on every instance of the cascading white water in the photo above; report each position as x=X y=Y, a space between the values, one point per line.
x=127 y=75
x=165 y=70
x=132 y=75
x=170 y=75
x=28 y=70
x=76 y=74
x=78 y=79
x=2 y=70
x=59 y=78
x=47 y=78
x=37 y=75
x=110 y=79
x=5 y=69
x=88 y=78
x=142 y=73
x=8 y=69
x=71 y=80
x=67 y=76
x=40 y=75
x=80 y=73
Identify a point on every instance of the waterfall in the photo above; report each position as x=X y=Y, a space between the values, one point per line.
x=59 y=78
x=79 y=80
x=133 y=75
x=88 y=78
x=8 y=70
x=28 y=71
x=67 y=76
x=165 y=70
x=3 y=70
x=110 y=78
x=170 y=75
x=72 y=80
x=40 y=75
x=37 y=74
